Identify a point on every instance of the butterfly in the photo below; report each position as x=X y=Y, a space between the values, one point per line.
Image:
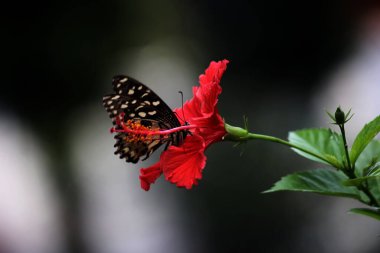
x=135 y=103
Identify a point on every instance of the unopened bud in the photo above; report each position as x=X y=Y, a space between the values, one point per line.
x=339 y=116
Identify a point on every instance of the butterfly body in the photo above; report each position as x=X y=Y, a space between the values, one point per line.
x=139 y=108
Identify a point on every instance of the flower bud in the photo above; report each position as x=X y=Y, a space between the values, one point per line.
x=340 y=117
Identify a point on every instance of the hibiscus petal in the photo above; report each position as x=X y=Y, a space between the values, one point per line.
x=202 y=110
x=213 y=74
x=149 y=175
x=183 y=165
x=215 y=130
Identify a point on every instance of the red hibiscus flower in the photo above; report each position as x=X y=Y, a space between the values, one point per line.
x=183 y=165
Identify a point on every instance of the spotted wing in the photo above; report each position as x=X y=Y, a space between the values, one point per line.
x=138 y=102
x=132 y=151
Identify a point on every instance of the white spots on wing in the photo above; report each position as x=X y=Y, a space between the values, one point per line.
x=109 y=102
x=148 y=91
x=134 y=101
x=118 y=85
x=126 y=150
x=123 y=106
x=115 y=97
x=142 y=114
x=140 y=87
x=131 y=115
x=133 y=153
x=114 y=112
x=147 y=102
x=111 y=107
x=156 y=103
x=120 y=91
x=145 y=94
x=124 y=80
x=131 y=91
x=138 y=107
x=152 y=113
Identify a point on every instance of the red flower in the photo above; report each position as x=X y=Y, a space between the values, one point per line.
x=183 y=165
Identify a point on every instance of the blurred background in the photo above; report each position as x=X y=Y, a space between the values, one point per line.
x=62 y=189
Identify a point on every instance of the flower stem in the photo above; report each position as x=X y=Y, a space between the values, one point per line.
x=251 y=136
x=286 y=143
x=350 y=170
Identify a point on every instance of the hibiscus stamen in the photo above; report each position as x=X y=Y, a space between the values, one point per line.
x=127 y=129
x=135 y=128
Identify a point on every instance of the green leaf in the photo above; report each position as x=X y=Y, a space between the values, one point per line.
x=368 y=158
x=371 y=212
x=358 y=181
x=365 y=136
x=367 y=168
x=323 y=142
x=322 y=181
x=374 y=170
x=374 y=187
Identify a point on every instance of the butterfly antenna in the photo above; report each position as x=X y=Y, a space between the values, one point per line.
x=183 y=113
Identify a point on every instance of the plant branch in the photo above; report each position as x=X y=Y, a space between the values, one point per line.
x=349 y=167
x=350 y=171
x=286 y=143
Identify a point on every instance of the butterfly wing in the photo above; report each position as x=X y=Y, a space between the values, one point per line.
x=138 y=103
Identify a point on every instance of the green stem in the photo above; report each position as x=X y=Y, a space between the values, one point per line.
x=350 y=170
x=250 y=136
